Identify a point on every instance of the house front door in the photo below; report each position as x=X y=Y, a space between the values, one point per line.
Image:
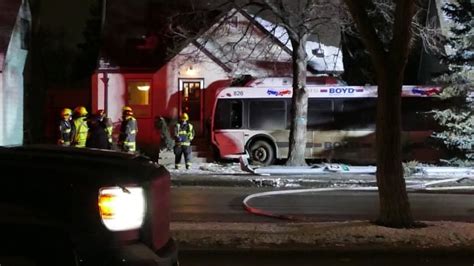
x=191 y=101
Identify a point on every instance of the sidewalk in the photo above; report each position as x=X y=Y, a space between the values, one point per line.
x=352 y=236
x=230 y=174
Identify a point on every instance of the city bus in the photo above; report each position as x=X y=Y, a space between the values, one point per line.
x=340 y=123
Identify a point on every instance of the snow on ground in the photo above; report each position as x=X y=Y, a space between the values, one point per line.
x=234 y=168
x=208 y=168
x=231 y=174
x=440 y=236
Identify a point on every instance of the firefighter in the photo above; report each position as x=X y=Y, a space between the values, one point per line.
x=80 y=128
x=106 y=122
x=128 y=131
x=98 y=136
x=65 y=128
x=183 y=134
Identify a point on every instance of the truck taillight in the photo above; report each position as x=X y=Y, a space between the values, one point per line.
x=122 y=208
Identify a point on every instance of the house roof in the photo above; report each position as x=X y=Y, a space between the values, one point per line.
x=8 y=14
x=323 y=58
x=137 y=34
x=132 y=48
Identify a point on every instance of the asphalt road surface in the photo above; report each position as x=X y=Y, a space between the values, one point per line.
x=213 y=258
x=224 y=204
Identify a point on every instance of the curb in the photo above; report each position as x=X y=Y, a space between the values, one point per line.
x=249 y=180
x=353 y=236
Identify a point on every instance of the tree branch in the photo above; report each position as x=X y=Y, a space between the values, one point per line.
x=370 y=38
x=279 y=11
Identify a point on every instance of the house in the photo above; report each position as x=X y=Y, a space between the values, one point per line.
x=15 y=21
x=236 y=45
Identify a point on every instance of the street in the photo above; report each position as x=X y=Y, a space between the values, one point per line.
x=213 y=258
x=224 y=204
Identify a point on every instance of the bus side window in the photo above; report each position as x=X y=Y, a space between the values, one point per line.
x=236 y=114
x=356 y=113
x=320 y=114
x=267 y=114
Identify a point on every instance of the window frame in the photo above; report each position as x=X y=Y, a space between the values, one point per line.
x=284 y=118
x=140 y=110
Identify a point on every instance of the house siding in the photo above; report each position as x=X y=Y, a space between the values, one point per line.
x=11 y=87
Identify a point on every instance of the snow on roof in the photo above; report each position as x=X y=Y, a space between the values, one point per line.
x=322 y=57
x=288 y=81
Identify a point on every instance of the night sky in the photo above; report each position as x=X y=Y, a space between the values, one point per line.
x=65 y=16
x=70 y=16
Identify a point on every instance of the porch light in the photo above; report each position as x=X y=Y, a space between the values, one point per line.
x=190 y=70
x=143 y=88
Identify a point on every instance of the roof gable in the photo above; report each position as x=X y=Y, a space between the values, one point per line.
x=248 y=43
x=9 y=10
x=240 y=43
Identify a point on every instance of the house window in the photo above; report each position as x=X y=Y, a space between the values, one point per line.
x=138 y=92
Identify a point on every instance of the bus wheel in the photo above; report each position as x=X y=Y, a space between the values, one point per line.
x=261 y=153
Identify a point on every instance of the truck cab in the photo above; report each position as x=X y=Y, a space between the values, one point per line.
x=77 y=206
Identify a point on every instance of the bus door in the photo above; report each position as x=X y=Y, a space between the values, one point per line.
x=227 y=129
x=191 y=101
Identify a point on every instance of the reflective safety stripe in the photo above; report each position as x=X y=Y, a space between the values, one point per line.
x=185 y=133
x=109 y=133
x=133 y=132
x=131 y=146
x=67 y=130
x=184 y=143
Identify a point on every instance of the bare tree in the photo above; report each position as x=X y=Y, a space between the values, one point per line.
x=389 y=55
x=301 y=19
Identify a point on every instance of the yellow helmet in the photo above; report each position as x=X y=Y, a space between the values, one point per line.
x=127 y=108
x=80 y=110
x=66 y=112
x=184 y=117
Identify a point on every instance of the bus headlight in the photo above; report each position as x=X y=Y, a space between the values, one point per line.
x=122 y=208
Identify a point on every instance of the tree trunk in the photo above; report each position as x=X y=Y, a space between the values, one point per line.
x=299 y=105
x=394 y=204
x=389 y=61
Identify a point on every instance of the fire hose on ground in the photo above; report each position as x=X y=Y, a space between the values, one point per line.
x=416 y=187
